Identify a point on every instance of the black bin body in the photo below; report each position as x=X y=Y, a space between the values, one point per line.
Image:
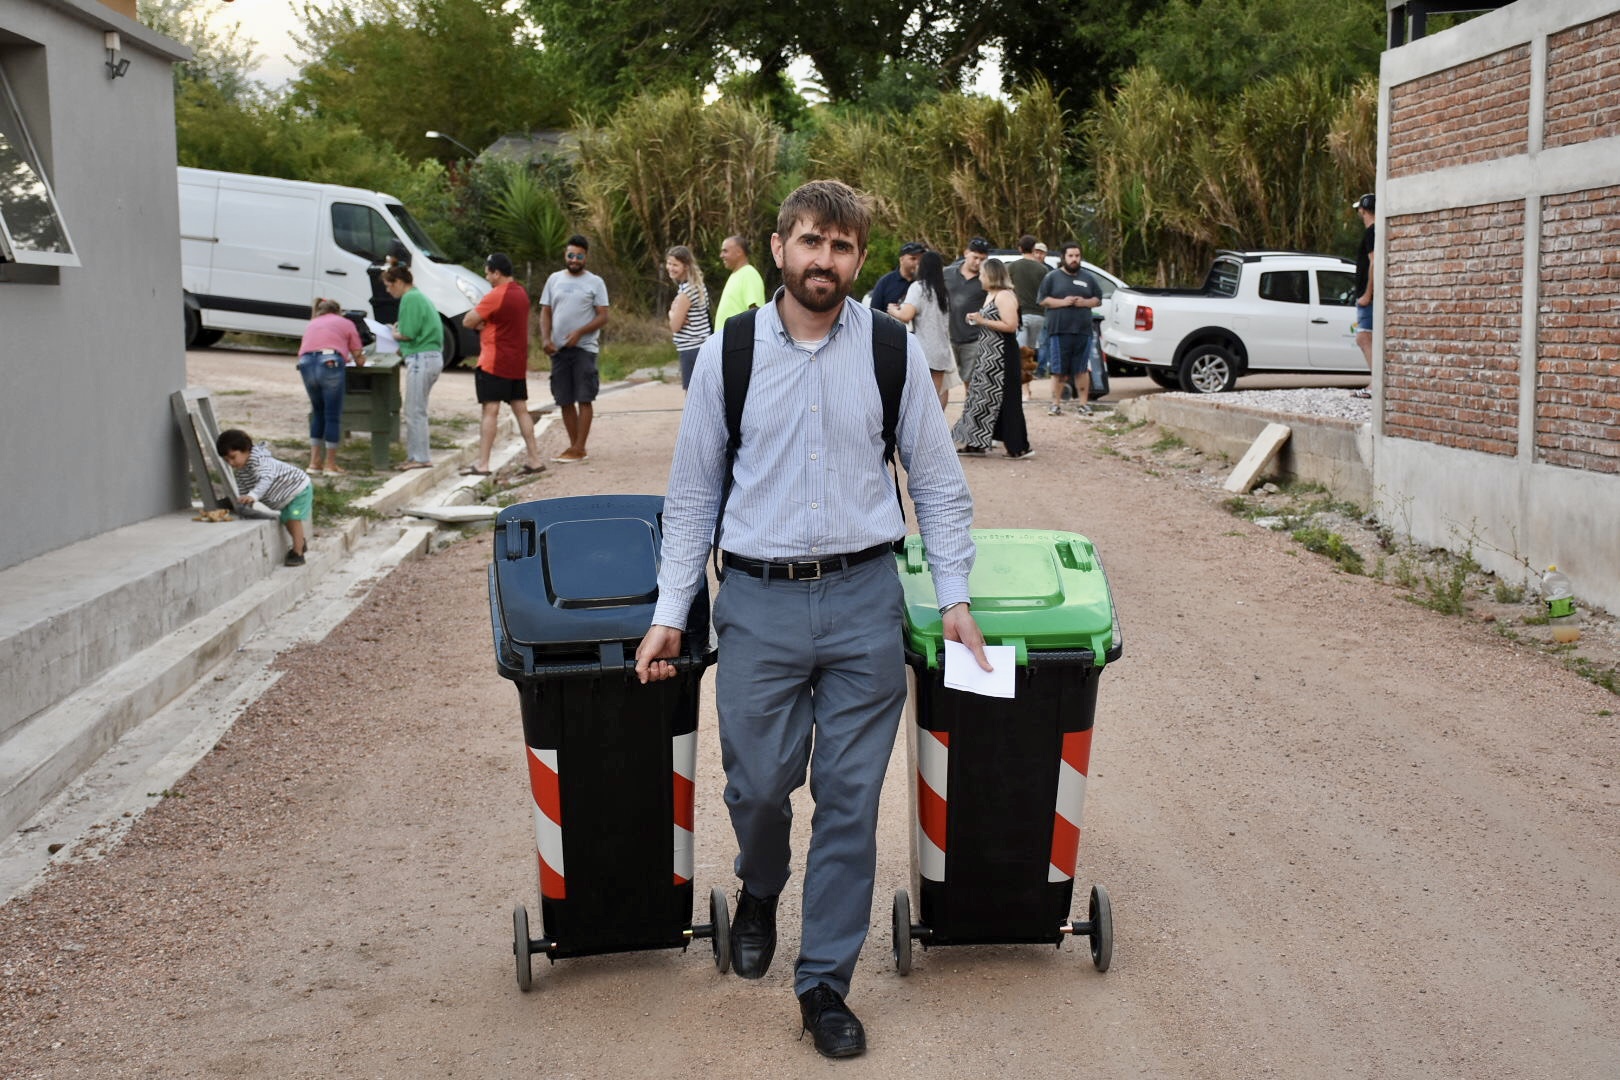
x=572 y=589
x=1003 y=779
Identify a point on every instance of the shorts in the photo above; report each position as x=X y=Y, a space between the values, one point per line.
x=1363 y=318
x=1069 y=353
x=301 y=506
x=574 y=379
x=494 y=388
x=1031 y=330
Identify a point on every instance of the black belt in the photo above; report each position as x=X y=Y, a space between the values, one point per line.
x=805 y=569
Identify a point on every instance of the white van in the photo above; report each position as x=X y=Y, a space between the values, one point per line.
x=256 y=252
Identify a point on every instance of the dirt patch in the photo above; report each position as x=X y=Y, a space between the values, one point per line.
x=1357 y=541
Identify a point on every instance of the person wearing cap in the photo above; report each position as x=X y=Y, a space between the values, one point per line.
x=891 y=287
x=1027 y=272
x=502 y=321
x=1367 y=206
x=967 y=297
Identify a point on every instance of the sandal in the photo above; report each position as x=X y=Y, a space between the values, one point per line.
x=409 y=465
x=469 y=470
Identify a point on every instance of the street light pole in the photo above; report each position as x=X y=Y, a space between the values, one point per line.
x=441 y=135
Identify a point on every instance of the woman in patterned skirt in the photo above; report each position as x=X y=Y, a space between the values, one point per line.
x=994 y=410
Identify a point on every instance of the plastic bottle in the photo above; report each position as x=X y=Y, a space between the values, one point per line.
x=1560 y=600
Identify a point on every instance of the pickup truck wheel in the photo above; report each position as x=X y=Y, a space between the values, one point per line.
x=1208 y=369
x=1165 y=377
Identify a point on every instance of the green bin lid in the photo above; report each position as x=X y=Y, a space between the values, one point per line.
x=1034 y=589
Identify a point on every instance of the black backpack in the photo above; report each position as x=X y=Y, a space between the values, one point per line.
x=737 y=370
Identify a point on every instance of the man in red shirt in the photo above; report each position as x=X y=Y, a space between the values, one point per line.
x=502 y=321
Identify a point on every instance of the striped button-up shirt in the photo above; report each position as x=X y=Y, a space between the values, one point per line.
x=809 y=480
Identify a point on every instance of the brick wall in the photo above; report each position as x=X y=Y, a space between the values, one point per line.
x=1583 y=83
x=1578 y=331
x=1477 y=111
x=1453 y=292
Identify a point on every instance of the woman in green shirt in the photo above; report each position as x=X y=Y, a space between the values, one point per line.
x=420 y=333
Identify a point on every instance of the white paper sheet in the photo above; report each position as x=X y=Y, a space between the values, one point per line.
x=962 y=671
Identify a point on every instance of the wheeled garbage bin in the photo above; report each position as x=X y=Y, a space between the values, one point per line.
x=998 y=783
x=611 y=762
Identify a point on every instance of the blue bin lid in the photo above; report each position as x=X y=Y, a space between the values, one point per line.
x=577 y=571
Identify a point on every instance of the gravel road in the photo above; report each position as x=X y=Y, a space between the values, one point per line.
x=1345 y=836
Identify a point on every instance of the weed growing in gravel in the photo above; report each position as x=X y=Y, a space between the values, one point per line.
x=1608 y=678
x=1109 y=451
x=1242 y=507
x=335 y=502
x=1446 y=591
x=1168 y=441
x=1325 y=542
x=1536 y=620
x=1507 y=593
x=1406 y=571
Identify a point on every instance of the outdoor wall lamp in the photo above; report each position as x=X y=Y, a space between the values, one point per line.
x=116 y=64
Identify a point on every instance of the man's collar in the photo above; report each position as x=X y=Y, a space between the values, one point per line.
x=776 y=330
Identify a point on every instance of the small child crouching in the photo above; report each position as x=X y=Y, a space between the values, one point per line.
x=262 y=478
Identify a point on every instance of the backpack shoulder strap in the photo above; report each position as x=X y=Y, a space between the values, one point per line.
x=736 y=371
x=889 y=365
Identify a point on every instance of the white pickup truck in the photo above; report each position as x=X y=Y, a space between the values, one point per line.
x=1257 y=311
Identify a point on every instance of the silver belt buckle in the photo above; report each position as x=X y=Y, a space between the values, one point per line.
x=795 y=575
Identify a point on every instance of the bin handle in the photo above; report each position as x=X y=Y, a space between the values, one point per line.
x=570 y=669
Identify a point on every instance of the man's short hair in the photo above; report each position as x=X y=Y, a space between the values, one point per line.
x=580 y=242
x=1075 y=244
x=827 y=204
x=397 y=273
x=979 y=244
x=499 y=262
x=1026 y=243
x=233 y=439
x=743 y=242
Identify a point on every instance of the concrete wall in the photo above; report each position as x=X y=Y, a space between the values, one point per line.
x=91 y=353
x=1497 y=351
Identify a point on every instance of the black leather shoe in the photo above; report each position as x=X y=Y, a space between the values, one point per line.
x=753 y=935
x=828 y=1020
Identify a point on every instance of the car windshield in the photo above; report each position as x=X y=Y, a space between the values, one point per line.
x=417 y=235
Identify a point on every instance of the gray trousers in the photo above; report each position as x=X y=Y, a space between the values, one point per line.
x=811 y=673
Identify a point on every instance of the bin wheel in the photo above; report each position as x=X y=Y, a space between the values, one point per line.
x=520 y=947
x=902 y=931
x=720 y=921
x=1102 y=928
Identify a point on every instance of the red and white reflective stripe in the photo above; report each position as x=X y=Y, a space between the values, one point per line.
x=683 y=755
x=1071 y=797
x=933 y=761
x=547 y=822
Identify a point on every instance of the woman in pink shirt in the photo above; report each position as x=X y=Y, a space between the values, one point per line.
x=329 y=341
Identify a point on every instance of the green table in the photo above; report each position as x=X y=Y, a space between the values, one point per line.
x=371 y=404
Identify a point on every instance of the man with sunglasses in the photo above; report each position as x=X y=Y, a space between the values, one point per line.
x=573 y=310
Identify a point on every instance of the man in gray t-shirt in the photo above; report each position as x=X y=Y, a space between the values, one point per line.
x=573 y=309
x=966 y=293
x=1068 y=294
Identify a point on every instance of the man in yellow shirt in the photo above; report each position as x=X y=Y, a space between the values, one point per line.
x=744 y=288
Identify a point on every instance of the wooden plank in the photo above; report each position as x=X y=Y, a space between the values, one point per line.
x=1261 y=453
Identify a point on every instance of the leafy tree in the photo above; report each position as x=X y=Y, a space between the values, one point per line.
x=1218 y=48
x=398 y=68
x=221 y=60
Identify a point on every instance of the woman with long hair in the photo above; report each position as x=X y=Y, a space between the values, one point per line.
x=927 y=307
x=993 y=410
x=330 y=343
x=689 y=313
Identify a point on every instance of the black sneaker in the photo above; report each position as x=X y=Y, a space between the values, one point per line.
x=838 y=1034
x=753 y=935
x=293 y=559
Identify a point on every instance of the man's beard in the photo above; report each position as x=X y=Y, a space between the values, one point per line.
x=800 y=289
